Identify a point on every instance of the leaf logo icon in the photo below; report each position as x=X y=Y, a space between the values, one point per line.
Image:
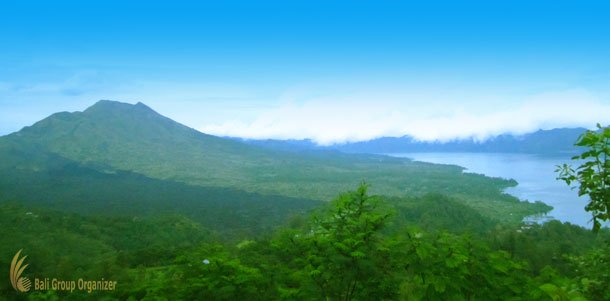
x=20 y=284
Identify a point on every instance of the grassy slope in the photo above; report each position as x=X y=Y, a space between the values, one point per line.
x=113 y=136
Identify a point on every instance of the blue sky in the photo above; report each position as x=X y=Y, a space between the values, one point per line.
x=332 y=71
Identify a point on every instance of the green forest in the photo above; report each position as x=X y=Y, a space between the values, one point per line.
x=356 y=247
x=122 y=193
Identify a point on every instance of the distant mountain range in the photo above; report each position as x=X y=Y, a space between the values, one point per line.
x=555 y=141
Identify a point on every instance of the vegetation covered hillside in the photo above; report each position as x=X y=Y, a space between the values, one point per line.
x=112 y=136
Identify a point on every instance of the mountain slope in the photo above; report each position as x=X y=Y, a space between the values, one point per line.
x=112 y=137
x=134 y=137
x=43 y=180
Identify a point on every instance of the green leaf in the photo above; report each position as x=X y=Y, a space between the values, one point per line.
x=550 y=289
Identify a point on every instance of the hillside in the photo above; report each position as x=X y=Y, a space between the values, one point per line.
x=112 y=137
x=59 y=184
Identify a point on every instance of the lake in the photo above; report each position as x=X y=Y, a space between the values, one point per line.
x=534 y=173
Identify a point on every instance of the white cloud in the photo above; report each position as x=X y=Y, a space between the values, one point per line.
x=357 y=117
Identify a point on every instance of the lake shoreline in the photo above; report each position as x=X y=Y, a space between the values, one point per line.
x=534 y=175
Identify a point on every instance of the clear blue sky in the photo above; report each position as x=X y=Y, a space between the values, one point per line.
x=327 y=70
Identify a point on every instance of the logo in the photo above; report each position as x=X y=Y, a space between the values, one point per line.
x=20 y=284
x=24 y=284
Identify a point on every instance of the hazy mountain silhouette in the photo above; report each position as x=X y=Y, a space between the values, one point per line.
x=555 y=141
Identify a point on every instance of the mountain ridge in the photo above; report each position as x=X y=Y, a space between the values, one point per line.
x=554 y=141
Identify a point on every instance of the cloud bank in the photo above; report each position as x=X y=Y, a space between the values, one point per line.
x=328 y=120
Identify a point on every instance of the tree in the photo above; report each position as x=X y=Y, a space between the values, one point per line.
x=593 y=174
x=346 y=257
x=445 y=266
x=207 y=272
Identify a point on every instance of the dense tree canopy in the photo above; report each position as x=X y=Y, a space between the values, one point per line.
x=357 y=247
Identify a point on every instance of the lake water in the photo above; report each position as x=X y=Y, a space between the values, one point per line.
x=534 y=173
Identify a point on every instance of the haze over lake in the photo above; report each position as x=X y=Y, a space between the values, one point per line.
x=534 y=173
